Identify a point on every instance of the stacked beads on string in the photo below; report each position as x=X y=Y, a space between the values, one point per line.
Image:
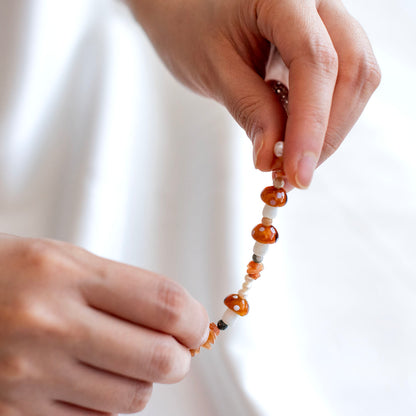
x=264 y=234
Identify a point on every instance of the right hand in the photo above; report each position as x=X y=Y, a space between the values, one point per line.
x=82 y=335
x=220 y=48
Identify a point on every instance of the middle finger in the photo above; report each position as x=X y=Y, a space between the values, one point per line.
x=130 y=350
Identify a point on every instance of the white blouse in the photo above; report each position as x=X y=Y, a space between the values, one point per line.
x=99 y=146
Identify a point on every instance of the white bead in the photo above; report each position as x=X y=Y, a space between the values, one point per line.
x=229 y=317
x=279 y=183
x=269 y=212
x=243 y=292
x=278 y=149
x=249 y=279
x=260 y=249
x=247 y=285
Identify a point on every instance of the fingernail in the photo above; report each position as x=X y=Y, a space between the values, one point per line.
x=306 y=167
x=206 y=335
x=257 y=146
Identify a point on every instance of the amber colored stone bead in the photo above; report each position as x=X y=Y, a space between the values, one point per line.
x=213 y=333
x=254 y=267
x=265 y=235
x=237 y=304
x=254 y=276
x=279 y=183
x=274 y=197
x=278 y=173
x=266 y=221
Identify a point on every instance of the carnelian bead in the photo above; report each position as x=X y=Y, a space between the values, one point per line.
x=237 y=304
x=213 y=333
x=278 y=173
x=254 y=267
x=279 y=183
x=266 y=221
x=253 y=276
x=265 y=234
x=274 y=197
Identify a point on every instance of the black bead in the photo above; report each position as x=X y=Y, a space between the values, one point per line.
x=257 y=259
x=222 y=325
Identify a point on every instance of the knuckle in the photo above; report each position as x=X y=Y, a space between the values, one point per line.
x=14 y=372
x=140 y=396
x=330 y=146
x=171 y=299
x=316 y=117
x=332 y=141
x=36 y=320
x=361 y=71
x=244 y=110
x=323 y=55
x=39 y=255
x=371 y=72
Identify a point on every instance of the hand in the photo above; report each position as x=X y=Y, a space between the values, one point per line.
x=221 y=49
x=80 y=332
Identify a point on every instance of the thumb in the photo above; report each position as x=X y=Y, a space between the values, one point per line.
x=256 y=108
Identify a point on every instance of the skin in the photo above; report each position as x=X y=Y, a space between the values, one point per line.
x=81 y=332
x=221 y=48
x=82 y=335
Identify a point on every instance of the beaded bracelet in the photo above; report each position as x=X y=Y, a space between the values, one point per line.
x=264 y=234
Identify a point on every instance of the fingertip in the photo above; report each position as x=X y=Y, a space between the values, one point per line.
x=263 y=154
x=258 y=143
x=305 y=169
x=205 y=336
x=202 y=334
x=175 y=367
x=300 y=173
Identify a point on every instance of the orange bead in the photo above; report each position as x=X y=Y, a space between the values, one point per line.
x=254 y=267
x=274 y=197
x=278 y=173
x=265 y=234
x=213 y=333
x=237 y=304
x=254 y=276
x=266 y=221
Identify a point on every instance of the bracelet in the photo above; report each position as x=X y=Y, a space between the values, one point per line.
x=264 y=235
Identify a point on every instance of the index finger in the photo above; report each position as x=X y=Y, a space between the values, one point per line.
x=306 y=48
x=147 y=299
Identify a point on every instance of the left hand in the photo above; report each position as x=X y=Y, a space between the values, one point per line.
x=221 y=48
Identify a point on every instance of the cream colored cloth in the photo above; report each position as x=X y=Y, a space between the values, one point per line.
x=99 y=146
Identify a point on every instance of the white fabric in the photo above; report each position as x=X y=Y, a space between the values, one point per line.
x=101 y=147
